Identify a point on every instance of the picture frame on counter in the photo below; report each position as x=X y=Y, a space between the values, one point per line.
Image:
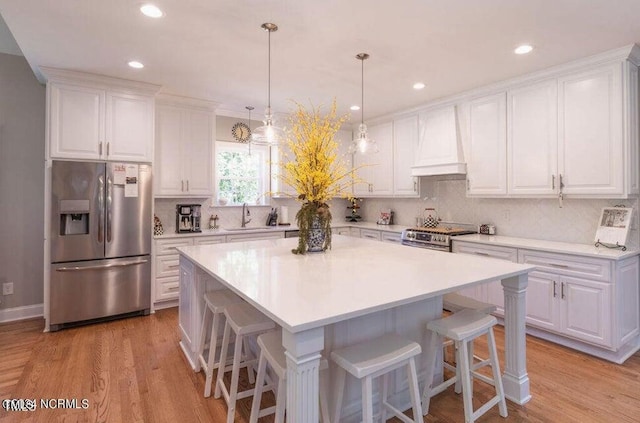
x=613 y=227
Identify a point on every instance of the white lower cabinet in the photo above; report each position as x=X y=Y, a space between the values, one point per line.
x=370 y=234
x=167 y=264
x=393 y=237
x=167 y=268
x=255 y=236
x=570 y=295
x=342 y=231
x=590 y=304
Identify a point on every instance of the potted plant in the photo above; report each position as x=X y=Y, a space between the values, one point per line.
x=316 y=173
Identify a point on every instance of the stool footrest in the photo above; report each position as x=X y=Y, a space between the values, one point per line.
x=397 y=413
x=486 y=407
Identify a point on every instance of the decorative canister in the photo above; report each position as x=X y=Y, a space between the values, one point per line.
x=157 y=226
x=213 y=222
x=430 y=218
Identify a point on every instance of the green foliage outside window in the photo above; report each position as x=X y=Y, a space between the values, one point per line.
x=240 y=175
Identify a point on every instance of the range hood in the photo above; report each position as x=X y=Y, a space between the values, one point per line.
x=440 y=147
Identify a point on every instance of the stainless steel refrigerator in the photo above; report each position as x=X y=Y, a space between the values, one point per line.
x=100 y=241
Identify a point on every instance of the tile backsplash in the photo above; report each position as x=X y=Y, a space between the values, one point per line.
x=231 y=216
x=537 y=218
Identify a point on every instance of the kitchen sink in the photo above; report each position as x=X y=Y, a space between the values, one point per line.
x=249 y=228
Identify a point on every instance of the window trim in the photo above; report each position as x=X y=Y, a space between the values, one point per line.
x=265 y=172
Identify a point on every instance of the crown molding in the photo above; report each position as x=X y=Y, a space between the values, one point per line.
x=182 y=101
x=630 y=52
x=99 y=81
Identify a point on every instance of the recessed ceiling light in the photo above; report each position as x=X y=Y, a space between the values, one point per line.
x=523 y=49
x=135 y=64
x=151 y=11
x=418 y=85
x=355 y=107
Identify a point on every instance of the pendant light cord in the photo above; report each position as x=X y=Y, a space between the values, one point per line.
x=362 y=91
x=269 y=75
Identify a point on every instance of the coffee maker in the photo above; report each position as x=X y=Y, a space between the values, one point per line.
x=188 y=218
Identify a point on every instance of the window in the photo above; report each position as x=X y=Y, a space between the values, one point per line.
x=241 y=177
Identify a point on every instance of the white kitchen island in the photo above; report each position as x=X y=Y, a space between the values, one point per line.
x=357 y=290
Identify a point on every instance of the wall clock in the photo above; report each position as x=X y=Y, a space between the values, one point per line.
x=241 y=132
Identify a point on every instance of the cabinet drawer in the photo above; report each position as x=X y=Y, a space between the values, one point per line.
x=355 y=232
x=370 y=234
x=167 y=288
x=168 y=246
x=390 y=237
x=563 y=264
x=167 y=265
x=504 y=253
x=208 y=240
x=254 y=237
x=342 y=231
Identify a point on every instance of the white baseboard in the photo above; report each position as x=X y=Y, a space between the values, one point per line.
x=21 y=313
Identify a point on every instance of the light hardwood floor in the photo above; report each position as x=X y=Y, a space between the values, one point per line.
x=133 y=370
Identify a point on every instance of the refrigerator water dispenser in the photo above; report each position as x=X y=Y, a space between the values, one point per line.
x=74 y=217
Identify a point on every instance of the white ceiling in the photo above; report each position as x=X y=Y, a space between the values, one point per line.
x=215 y=49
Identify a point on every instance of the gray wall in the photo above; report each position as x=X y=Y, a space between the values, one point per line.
x=22 y=139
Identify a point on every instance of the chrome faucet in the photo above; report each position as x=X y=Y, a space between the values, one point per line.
x=245 y=213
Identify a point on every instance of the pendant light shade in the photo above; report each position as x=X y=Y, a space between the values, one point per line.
x=268 y=134
x=362 y=143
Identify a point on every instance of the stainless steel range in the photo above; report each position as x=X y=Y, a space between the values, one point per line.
x=438 y=238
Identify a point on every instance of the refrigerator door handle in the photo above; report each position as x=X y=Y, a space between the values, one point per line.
x=101 y=210
x=109 y=209
x=102 y=266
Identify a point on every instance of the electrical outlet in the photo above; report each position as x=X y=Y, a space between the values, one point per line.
x=7 y=288
x=506 y=215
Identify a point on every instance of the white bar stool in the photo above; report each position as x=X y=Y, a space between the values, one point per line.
x=215 y=303
x=454 y=303
x=245 y=320
x=463 y=327
x=272 y=353
x=375 y=358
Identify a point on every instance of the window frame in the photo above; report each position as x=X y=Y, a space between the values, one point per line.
x=264 y=178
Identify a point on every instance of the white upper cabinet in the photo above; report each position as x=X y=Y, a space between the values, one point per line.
x=129 y=127
x=91 y=117
x=76 y=121
x=591 y=160
x=405 y=145
x=377 y=168
x=573 y=133
x=532 y=116
x=184 y=149
x=486 y=146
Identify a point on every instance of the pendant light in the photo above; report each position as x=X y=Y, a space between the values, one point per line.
x=362 y=144
x=268 y=134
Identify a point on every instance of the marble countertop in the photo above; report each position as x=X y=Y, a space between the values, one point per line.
x=589 y=250
x=302 y=292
